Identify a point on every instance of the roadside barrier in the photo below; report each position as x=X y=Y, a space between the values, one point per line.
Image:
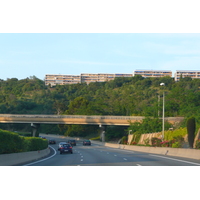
x=180 y=152
x=18 y=158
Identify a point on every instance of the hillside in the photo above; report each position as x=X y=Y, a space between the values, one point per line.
x=123 y=96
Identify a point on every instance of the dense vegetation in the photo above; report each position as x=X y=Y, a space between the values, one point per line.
x=13 y=143
x=135 y=96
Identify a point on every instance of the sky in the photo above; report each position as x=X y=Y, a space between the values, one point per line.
x=72 y=37
x=36 y=54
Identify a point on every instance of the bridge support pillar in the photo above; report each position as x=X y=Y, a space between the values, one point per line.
x=102 y=132
x=35 y=128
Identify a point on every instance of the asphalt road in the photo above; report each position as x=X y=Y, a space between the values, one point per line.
x=99 y=155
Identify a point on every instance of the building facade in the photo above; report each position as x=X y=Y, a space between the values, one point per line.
x=194 y=74
x=153 y=73
x=54 y=79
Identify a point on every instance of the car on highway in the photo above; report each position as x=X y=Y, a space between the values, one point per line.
x=86 y=142
x=61 y=144
x=51 y=141
x=72 y=142
x=66 y=148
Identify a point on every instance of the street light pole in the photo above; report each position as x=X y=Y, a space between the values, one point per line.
x=163 y=128
x=163 y=117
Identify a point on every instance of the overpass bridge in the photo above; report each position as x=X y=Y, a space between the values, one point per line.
x=102 y=121
x=78 y=119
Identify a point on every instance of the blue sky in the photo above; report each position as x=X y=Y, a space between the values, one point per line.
x=26 y=54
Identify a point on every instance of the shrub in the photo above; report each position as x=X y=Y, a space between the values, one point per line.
x=176 y=145
x=133 y=143
x=13 y=143
x=124 y=140
x=35 y=143
x=171 y=142
x=165 y=144
x=170 y=135
x=10 y=142
x=156 y=142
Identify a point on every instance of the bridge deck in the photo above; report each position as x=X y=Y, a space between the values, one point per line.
x=77 y=119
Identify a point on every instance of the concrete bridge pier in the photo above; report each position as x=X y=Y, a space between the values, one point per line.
x=102 y=132
x=35 y=128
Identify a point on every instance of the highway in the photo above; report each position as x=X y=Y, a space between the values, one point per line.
x=99 y=155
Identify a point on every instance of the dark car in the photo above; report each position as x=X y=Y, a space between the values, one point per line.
x=52 y=142
x=66 y=148
x=72 y=142
x=86 y=142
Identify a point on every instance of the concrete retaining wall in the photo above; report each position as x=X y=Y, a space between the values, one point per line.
x=180 y=152
x=18 y=158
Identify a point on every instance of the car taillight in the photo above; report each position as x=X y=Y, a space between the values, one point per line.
x=61 y=147
x=70 y=147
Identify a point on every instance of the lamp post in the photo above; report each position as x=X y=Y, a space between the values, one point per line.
x=163 y=117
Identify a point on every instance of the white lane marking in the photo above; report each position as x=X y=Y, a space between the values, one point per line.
x=125 y=159
x=81 y=156
x=175 y=159
x=81 y=160
x=115 y=155
x=138 y=165
x=107 y=153
x=42 y=159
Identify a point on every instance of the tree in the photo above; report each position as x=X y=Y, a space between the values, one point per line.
x=191 y=126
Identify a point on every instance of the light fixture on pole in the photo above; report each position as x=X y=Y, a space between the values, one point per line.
x=163 y=118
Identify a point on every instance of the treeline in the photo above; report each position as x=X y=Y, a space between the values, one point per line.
x=136 y=96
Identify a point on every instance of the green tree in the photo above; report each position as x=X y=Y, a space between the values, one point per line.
x=191 y=127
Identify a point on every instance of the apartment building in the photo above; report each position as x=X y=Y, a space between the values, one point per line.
x=88 y=78
x=153 y=73
x=54 y=79
x=194 y=74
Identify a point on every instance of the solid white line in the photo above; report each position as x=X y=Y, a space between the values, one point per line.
x=138 y=165
x=175 y=159
x=42 y=159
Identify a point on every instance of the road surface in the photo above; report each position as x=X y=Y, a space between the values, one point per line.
x=99 y=155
